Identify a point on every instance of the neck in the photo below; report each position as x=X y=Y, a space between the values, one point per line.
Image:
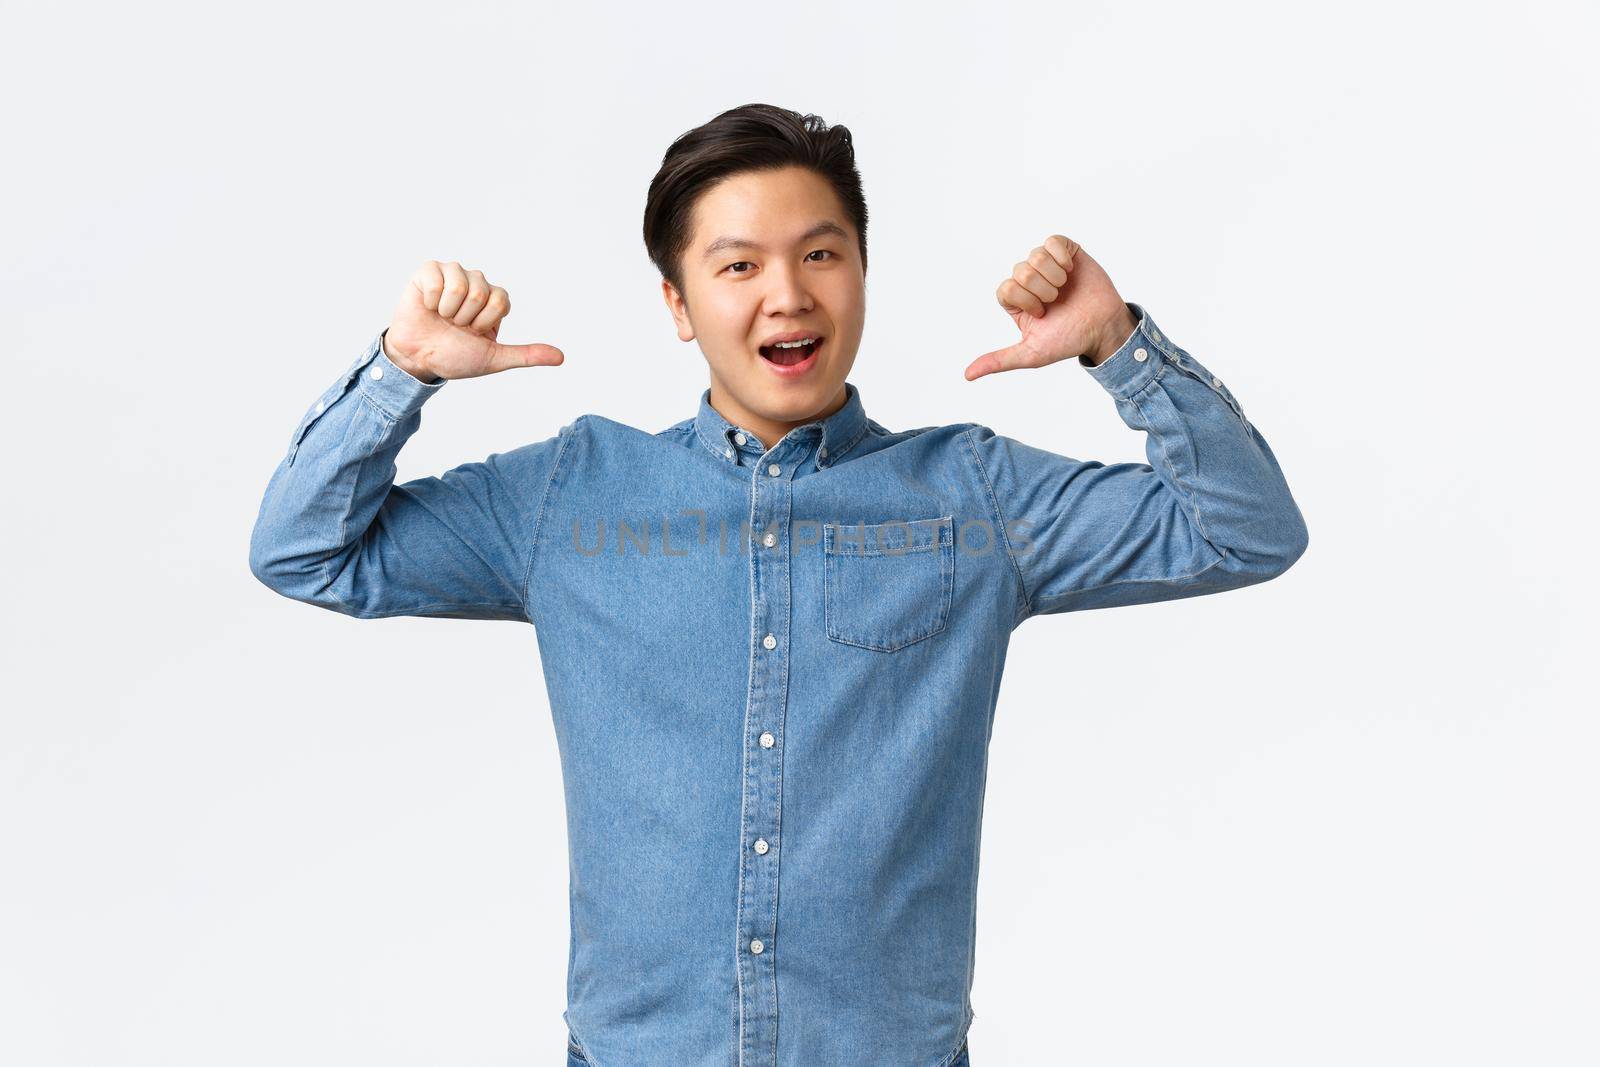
x=770 y=431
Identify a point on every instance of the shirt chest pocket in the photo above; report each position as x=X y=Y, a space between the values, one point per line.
x=887 y=585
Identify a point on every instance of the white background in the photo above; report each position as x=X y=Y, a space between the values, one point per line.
x=1346 y=817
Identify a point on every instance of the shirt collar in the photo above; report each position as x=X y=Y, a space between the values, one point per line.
x=839 y=431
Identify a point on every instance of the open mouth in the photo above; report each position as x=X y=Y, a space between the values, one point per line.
x=791 y=357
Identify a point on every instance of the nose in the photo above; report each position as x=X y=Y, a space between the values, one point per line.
x=786 y=292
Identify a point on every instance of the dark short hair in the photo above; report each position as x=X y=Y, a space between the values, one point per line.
x=751 y=137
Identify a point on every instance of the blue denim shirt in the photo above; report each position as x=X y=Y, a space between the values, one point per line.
x=773 y=671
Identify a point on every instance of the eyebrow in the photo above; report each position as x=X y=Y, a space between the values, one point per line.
x=723 y=244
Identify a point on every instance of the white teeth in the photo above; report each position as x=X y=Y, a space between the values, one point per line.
x=793 y=344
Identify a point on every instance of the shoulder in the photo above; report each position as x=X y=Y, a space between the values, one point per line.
x=935 y=435
x=677 y=430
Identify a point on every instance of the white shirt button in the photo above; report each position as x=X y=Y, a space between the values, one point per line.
x=770 y=641
x=822 y=453
x=1155 y=333
x=761 y=847
x=740 y=438
x=321 y=407
x=757 y=947
x=377 y=372
x=770 y=540
x=774 y=470
x=1217 y=382
x=1140 y=354
x=728 y=452
x=767 y=740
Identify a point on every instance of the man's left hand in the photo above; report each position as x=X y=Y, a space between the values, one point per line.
x=1065 y=306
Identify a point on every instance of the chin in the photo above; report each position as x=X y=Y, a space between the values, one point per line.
x=797 y=399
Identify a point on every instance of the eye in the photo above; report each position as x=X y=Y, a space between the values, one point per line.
x=747 y=263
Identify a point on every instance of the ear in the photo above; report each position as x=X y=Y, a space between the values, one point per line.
x=680 y=311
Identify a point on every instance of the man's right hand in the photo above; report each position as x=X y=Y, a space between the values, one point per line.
x=446 y=324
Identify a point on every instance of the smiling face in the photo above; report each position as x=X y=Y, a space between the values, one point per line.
x=772 y=254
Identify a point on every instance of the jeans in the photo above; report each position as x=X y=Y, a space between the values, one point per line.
x=576 y=1059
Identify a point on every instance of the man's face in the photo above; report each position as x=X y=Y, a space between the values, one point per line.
x=794 y=273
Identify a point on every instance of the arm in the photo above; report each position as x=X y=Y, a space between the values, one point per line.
x=1211 y=510
x=335 y=531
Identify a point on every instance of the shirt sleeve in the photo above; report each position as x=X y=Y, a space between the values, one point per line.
x=1210 y=511
x=334 y=530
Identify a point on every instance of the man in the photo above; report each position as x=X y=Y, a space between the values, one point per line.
x=773 y=632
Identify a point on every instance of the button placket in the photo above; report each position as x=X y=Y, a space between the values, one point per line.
x=771 y=496
x=326 y=400
x=1188 y=365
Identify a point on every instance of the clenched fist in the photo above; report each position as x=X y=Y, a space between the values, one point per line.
x=446 y=324
x=1065 y=306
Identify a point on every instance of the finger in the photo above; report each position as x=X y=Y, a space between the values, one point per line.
x=477 y=296
x=1042 y=261
x=429 y=280
x=505 y=357
x=1034 y=282
x=1014 y=298
x=455 y=290
x=1063 y=250
x=497 y=307
x=1001 y=359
